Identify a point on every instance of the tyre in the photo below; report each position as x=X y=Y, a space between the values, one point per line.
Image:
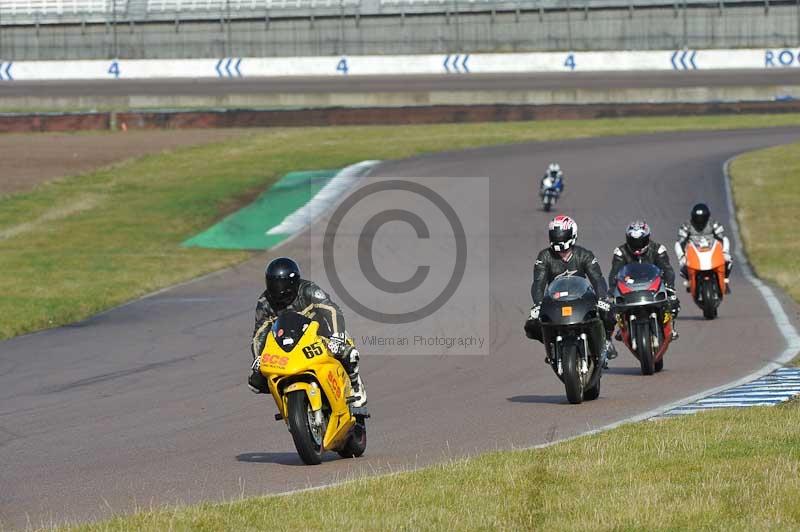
x=644 y=348
x=592 y=392
x=306 y=435
x=572 y=376
x=357 y=442
x=547 y=205
x=709 y=300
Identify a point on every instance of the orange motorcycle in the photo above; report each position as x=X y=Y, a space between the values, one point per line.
x=705 y=269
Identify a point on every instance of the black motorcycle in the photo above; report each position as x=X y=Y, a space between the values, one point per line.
x=643 y=316
x=573 y=336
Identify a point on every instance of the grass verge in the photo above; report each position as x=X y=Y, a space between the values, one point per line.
x=724 y=470
x=766 y=188
x=80 y=245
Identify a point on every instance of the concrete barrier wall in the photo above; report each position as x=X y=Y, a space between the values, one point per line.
x=448 y=64
x=655 y=28
x=371 y=116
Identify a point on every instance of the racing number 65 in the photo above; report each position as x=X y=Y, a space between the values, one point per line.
x=313 y=350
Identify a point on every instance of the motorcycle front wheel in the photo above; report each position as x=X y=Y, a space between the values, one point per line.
x=709 y=300
x=644 y=348
x=572 y=376
x=307 y=434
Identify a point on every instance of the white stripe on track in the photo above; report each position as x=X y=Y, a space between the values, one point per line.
x=328 y=195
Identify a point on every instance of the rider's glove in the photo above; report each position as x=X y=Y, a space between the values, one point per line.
x=337 y=344
x=682 y=261
x=535 y=311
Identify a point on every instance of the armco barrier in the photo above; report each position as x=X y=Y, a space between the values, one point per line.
x=372 y=116
x=388 y=65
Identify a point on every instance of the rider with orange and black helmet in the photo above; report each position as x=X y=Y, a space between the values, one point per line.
x=563 y=258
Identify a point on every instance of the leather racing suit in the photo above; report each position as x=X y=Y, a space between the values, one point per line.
x=314 y=303
x=713 y=229
x=655 y=253
x=549 y=266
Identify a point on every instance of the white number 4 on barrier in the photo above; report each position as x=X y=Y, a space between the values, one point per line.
x=114 y=69
x=570 y=62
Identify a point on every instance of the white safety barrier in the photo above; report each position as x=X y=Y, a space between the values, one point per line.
x=453 y=64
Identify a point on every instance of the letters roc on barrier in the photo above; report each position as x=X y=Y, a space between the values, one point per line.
x=782 y=58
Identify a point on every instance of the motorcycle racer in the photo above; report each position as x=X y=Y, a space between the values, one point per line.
x=553 y=178
x=286 y=290
x=564 y=258
x=701 y=225
x=640 y=248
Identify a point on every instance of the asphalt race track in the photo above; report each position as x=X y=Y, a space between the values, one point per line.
x=146 y=404
x=405 y=84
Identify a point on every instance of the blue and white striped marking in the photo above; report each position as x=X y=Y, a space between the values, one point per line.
x=777 y=387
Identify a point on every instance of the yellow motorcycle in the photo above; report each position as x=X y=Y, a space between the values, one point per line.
x=312 y=390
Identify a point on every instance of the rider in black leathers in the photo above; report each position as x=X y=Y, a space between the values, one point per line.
x=639 y=248
x=563 y=258
x=286 y=290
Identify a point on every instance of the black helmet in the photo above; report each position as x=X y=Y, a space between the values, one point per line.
x=637 y=236
x=700 y=216
x=282 y=278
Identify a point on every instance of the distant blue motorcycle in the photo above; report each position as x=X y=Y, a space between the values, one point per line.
x=551 y=187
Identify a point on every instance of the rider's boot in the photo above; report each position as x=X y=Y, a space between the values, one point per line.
x=609 y=350
x=728 y=267
x=257 y=382
x=357 y=388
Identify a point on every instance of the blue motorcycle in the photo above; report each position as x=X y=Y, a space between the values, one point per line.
x=550 y=190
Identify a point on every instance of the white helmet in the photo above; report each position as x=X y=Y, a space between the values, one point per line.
x=554 y=169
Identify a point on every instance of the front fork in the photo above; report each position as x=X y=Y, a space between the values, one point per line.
x=584 y=359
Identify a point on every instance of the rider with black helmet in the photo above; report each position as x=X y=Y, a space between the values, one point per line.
x=640 y=248
x=286 y=289
x=701 y=225
x=563 y=258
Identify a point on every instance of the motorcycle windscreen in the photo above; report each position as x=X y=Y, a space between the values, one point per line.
x=638 y=276
x=289 y=328
x=570 y=288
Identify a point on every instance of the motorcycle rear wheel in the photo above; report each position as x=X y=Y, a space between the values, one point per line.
x=644 y=348
x=572 y=377
x=593 y=392
x=356 y=442
x=709 y=301
x=308 y=446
